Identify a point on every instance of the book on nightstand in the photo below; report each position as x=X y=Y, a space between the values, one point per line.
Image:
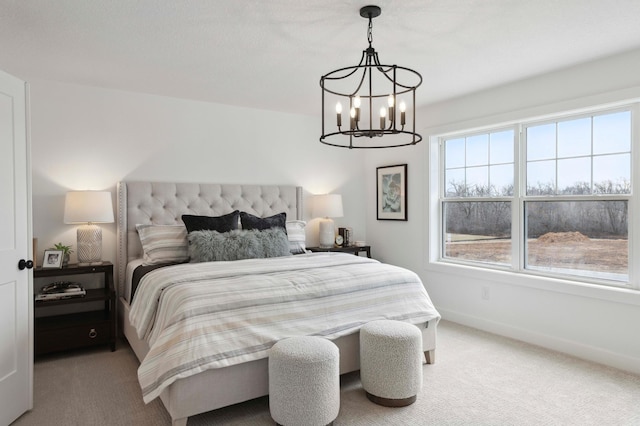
x=60 y=290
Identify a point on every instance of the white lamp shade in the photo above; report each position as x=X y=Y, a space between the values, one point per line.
x=327 y=205
x=88 y=207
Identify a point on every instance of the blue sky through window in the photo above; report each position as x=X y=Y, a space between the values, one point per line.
x=566 y=157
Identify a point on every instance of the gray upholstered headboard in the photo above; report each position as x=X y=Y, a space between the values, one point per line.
x=164 y=203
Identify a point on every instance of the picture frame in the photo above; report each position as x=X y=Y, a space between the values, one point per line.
x=52 y=259
x=391 y=192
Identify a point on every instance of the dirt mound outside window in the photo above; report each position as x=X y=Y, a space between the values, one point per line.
x=562 y=237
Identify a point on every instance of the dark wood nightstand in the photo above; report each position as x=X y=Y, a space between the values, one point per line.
x=76 y=322
x=348 y=249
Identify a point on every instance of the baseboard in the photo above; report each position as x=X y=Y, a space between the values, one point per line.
x=573 y=348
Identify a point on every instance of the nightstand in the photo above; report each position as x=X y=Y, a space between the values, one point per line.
x=76 y=322
x=348 y=249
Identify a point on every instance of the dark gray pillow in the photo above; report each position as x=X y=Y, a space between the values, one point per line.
x=250 y=221
x=209 y=246
x=223 y=223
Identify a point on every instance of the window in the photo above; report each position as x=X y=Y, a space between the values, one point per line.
x=479 y=172
x=546 y=197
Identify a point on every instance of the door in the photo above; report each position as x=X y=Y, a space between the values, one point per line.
x=16 y=291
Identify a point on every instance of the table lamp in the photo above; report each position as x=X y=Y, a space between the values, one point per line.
x=327 y=206
x=88 y=208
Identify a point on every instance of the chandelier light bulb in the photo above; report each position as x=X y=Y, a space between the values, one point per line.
x=403 y=106
x=339 y=108
x=391 y=102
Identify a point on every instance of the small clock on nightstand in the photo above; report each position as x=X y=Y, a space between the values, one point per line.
x=339 y=240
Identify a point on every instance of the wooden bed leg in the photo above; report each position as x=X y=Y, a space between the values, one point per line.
x=179 y=422
x=430 y=356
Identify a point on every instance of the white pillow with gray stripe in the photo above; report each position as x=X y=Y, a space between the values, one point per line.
x=163 y=243
x=297 y=236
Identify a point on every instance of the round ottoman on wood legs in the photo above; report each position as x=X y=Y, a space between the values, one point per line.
x=391 y=362
x=304 y=381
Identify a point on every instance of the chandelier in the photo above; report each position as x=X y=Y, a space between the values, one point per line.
x=373 y=120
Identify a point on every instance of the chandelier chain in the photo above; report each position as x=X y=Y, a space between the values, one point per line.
x=370 y=31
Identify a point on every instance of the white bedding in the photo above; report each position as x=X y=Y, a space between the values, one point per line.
x=211 y=315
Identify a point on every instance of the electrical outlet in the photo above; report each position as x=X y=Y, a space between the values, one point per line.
x=485 y=293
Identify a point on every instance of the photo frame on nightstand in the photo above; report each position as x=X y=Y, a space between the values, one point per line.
x=52 y=259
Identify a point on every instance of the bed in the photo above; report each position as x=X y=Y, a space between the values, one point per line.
x=223 y=382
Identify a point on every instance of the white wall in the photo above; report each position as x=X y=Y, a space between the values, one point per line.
x=91 y=138
x=592 y=323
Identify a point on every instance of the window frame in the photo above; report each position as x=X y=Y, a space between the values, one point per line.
x=520 y=197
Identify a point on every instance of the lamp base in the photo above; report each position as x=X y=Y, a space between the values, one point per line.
x=89 y=244
x=327 y=233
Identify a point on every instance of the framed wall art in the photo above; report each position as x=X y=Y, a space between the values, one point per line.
x=391 y=194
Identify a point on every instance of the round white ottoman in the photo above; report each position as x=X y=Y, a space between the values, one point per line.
x=304 y=381
x=391 y=362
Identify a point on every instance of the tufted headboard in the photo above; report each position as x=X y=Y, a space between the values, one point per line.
x=164 y=203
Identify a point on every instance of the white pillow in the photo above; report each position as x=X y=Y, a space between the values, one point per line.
x=163 y=243
x=296 y=236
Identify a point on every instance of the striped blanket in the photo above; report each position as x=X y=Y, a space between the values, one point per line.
x=200 y=316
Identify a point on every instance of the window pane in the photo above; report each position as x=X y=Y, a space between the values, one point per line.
x=478 y=181
x=541 y=142
x=574 y=138
x=612 y=133
x=574 y=176
x=456 y=186
x=585 y=238
x=541 y=178
x=478 y=231
x=501 y=180
x=612 y=174
x=454 y=153
x=478 y=150
x=501 y=147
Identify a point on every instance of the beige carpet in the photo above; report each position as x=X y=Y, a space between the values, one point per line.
x=478 y=379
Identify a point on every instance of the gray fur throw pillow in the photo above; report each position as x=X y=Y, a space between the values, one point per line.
x=209 y=246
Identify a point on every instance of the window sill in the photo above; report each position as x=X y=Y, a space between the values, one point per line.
x=627 y=296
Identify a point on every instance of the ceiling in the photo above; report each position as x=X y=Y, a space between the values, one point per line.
x=270 y=54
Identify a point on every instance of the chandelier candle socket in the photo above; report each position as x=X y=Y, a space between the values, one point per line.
x=366 y=88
